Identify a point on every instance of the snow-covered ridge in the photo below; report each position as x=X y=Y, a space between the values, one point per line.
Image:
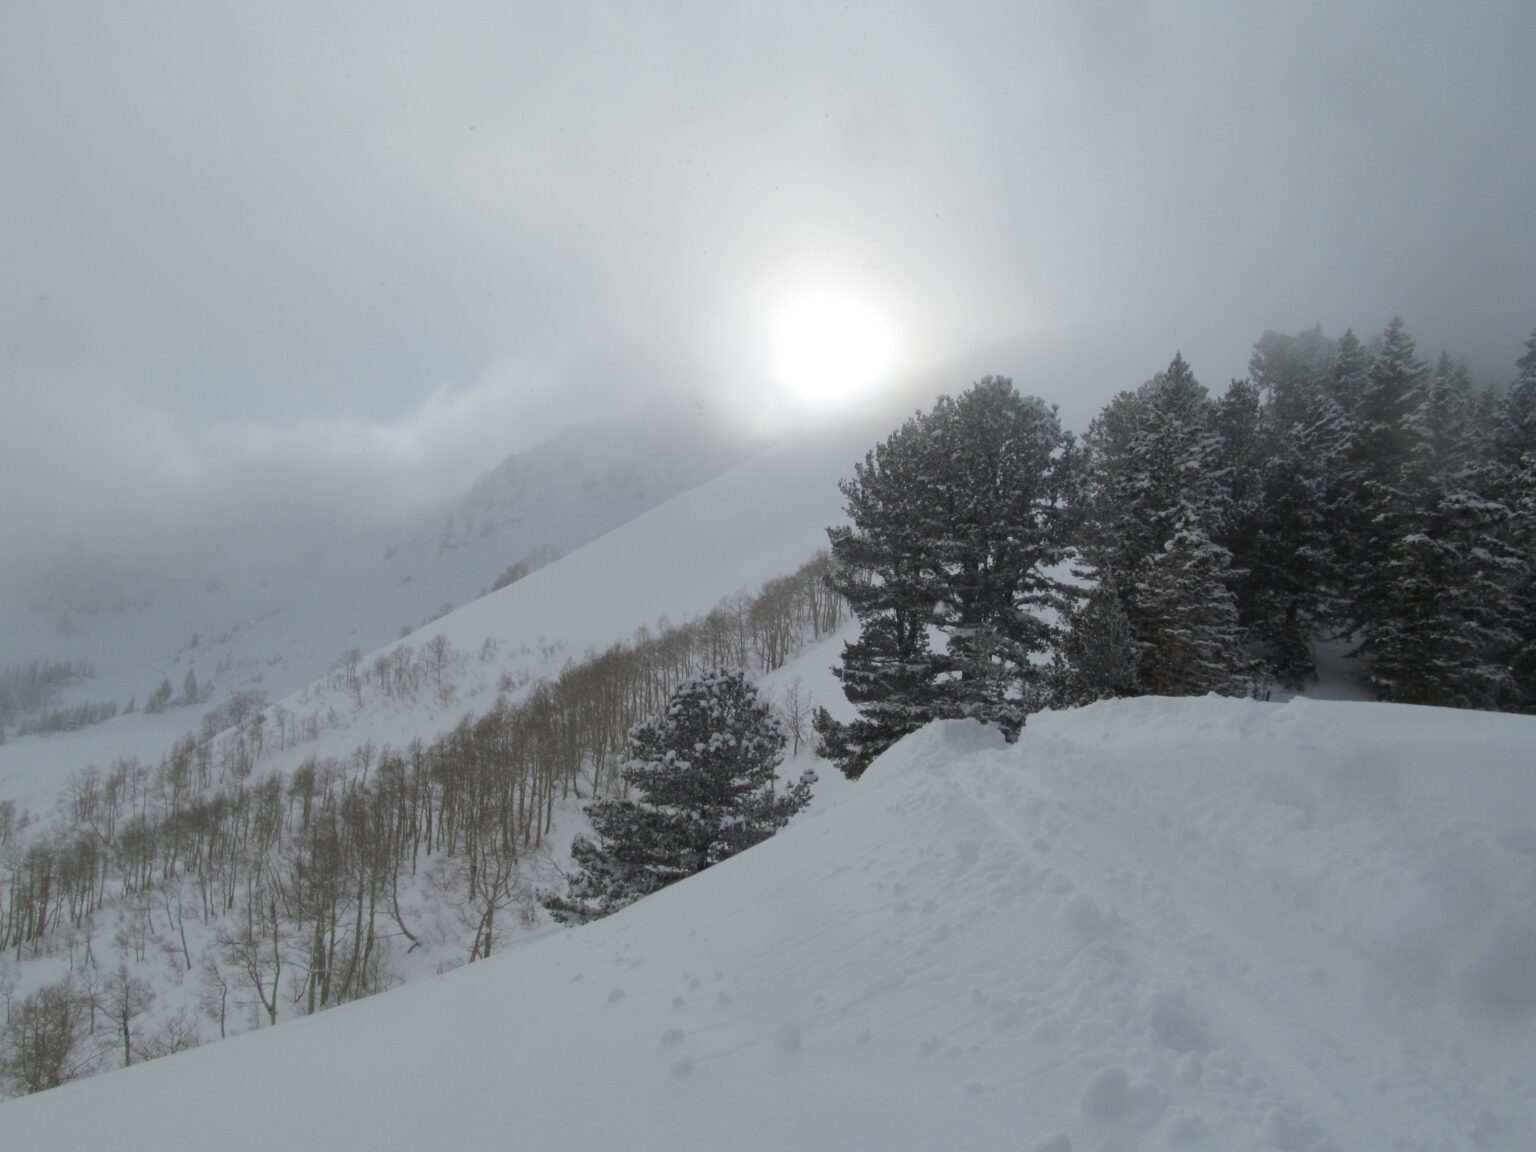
x=1149 y=924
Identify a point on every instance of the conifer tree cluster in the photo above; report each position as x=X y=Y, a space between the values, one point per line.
x=1346 y=489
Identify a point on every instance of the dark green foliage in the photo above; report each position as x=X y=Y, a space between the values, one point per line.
x=1168 y=473
x=702 y=775
x=1445 y=624
x=1187 y=607
x=957 y=519
x=1514 y=470
x=1381 y=452
x=1098 y=657
x=1288 y=591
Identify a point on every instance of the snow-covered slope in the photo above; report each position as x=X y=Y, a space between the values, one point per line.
x=1150 y=924
x=277 y=629
x=287 y=615
x=759 y=519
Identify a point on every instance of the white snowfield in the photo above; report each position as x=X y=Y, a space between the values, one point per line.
x=1150 y=924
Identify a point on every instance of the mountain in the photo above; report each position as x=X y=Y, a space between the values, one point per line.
x=585 y=481
x=277 y=628
x=1150 y=924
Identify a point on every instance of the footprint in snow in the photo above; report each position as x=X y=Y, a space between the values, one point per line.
x=615 y=995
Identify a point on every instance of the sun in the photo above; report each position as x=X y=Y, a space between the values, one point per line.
x=829 y=347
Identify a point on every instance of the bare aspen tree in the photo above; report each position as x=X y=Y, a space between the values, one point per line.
x=125 y=997
x=213 y=992
x=795 y=713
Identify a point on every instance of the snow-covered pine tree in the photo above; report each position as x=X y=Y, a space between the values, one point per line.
x=1448 y=621
x=1337 y=440
x=956 y=520
x=1443 y=615
x=1381 y=452
x=1186 y=605
x=886 y=570
x=1005 y=472
x=1289 y=566
x=1098 y=657
x=703 y=781
x=1242 y=429
x=1442 y=443
x=1513 y=465
x=1157 y=474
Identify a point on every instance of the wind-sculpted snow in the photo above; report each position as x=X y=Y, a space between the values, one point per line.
x=1149 y=924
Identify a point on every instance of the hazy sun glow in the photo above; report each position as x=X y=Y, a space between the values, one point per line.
x=828 y=347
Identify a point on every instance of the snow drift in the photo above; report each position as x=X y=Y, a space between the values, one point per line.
x=1149 y=924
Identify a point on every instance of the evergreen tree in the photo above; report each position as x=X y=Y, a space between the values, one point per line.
x=1448 y=622
x=1243 y=431
x=1381 y=453
x=703 y=787
x=1513 y=465
x=1004 y=472
x=957 y=519
x=1157 y=494
x=159 y=698
x=1442 y=428
x=1441 y=611
x=1289 y=589
x=888 y=574
x=1337 y=448
x=1098 y=657
x=1192 y=614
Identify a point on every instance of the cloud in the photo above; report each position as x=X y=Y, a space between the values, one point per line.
x=114 y=481
x=319 y=263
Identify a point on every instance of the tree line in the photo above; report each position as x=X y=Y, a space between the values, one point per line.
x=1191 y=544
x=29 y=694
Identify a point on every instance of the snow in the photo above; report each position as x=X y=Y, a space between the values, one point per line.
x=763 y=518
x=278 y=622
x=1149 y=924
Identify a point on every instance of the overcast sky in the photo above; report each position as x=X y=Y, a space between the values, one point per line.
x=264 y=257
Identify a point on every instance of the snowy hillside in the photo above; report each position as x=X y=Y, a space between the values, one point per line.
x=280 y=622
x=1150 y=924
x=277 y=629
x=757 y=520
x=677 y=562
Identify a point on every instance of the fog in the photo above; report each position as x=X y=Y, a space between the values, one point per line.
x=270 y=271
